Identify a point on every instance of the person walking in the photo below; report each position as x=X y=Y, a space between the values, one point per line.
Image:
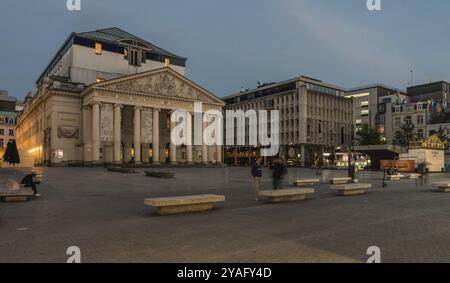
x=279 y=170
x=30 y=181
x=257 y=176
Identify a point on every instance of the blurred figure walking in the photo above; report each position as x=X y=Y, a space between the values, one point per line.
x=279 y=170
x=257 y=176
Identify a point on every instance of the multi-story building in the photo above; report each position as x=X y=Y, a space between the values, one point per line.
x=94 y=56
x=437 y=91
x=372 y=106
x=411 y=113
x=107 y=97
x=315 y=119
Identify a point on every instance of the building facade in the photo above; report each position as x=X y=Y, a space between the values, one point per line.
x=437 y=91
x=315 y=119
x=106 y=98
x=411 y=113
x=372 y=106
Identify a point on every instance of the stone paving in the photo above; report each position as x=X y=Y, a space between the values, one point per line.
x=103 y=213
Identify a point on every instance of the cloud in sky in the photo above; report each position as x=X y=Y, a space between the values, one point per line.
x=361 y=45
x=234 y=43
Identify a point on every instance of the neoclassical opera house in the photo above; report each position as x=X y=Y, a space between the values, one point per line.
x=106 y=97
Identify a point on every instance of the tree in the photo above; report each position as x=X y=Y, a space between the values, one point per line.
x=11 y=155
x=405 y=135
x=368 y=136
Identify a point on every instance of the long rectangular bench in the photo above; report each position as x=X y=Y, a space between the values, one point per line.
x=12 y=185
x=395 y=177
x=351 y=189
x=343 y=180
x=122 y=170
x=443 y=187
x=277 y=196
x=412 y=176
x=184 y=204
x=306 y=182
x=15 y=195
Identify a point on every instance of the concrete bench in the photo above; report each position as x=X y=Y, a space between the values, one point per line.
x=122 y=170
x=306 y=182
x=277 y=196
x=184 y=204
x=161 y=175
x=351 y=189
x=343 y=180
x=443 y=187
x=15 y=195
x=12 y=185
x=412 y=176
x=395 y=177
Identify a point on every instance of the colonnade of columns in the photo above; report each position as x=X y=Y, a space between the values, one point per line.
x=92 y=140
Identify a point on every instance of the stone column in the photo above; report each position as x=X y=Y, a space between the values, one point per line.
x=137 y=135
x=88 y=145
x=211 y=154
x=173 y=147
x=204 y=146
x=84 y=131
x=155 y=136
x=96 y=133
x=219 y=154
x=189 y=147
x=302 y=155
x=117 y=133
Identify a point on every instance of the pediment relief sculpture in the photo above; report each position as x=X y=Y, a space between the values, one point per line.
x=164 y=84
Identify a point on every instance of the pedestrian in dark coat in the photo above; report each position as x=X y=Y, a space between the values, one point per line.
x=30 y=181
x=279 y=170
x=257 y=176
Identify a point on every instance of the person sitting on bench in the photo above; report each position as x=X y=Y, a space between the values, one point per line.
x=30 y=181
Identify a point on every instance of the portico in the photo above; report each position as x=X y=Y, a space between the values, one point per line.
x=128 y=120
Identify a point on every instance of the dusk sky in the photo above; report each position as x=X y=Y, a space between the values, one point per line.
x=234 y=43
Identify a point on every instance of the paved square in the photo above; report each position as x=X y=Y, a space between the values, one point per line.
x=104 y=214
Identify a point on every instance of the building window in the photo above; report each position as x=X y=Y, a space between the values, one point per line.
x=382 y=108
x=2 y=143
x=11 y=132
x=408 y=120
x=420 y=119
x=365 y=103
x=167 y=62
x=420 y=134
x=365 y=113
x=2 y=132
x=98 y=48
x=398 y=121
x=134 y=57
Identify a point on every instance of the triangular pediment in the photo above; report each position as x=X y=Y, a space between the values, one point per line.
x=163 y=82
